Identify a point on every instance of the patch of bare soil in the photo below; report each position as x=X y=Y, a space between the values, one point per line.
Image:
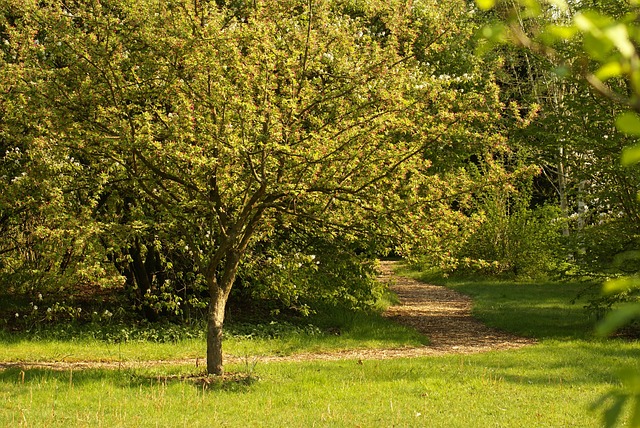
x=441 y=314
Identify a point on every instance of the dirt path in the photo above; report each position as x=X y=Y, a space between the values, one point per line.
x=444 y=316
x=441 y=314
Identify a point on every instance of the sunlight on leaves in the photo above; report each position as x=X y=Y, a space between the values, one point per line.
x=619 y=285
x=609 y=70
x=601 y=35
x=532 y=8
x=486 y=4
x=618 y=318
x=631 y=155
x=494 y=33
x=597 y=47
x=628 y=123
x=562 y=32
x=620 y=37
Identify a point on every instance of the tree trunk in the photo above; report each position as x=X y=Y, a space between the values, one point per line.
x=219 y=289
x=562 y=191
x=215 y=320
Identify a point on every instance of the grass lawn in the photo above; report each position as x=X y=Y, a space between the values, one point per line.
x=547 y=385
x=550 y=384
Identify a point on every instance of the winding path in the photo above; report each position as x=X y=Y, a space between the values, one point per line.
x=441 y=314
x=444 y=315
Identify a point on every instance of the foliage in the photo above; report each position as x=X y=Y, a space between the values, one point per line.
x=192 y=131
x=570 y=136
x=608 y=57
x=500 y=230
x=608 y=248
x=300 y=267
x=512 y=238
x=523 y=242
x=112 y=331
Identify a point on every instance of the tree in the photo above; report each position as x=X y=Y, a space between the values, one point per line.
x=608 y=59
x=231 y=121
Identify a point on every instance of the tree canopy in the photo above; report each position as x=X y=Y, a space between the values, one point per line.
x=213 y=126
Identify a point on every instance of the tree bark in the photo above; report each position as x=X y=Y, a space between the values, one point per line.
x=215 y=322
x=562 y=191
x=219 y=289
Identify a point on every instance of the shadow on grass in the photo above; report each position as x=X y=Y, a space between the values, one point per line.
x=567 y=364
x=230 y=382
x=365 y=326
x=554 y=364
x=543 y=311
x=570 y=363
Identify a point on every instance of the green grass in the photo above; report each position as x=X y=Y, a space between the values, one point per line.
x=547 y=385
x=551 y=384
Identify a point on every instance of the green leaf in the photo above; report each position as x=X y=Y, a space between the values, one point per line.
x=494 y=33
x=554 y=33
x=601 y=34
x=597 y=42
x=562 y=31
x=619 y=35
x=619 y=285
x=592 y=21
x=597 y=47
x=609 y=70
x=583 y=22
x=618 y=318
x=628 y=123
x=532 y=8
x=631 y=155
x=486 y=4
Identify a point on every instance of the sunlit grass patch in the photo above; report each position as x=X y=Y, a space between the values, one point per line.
x=552 y=384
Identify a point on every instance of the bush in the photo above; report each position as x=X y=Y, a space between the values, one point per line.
x=517 y=241
x=300 y=270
